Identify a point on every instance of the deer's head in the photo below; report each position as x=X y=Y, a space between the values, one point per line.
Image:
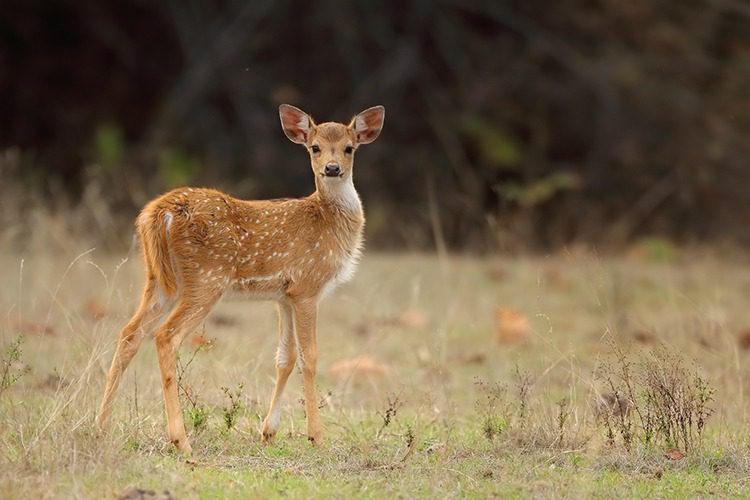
x=331 y=145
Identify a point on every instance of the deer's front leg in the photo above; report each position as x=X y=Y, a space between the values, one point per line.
x=305 y=316
x=286 y=355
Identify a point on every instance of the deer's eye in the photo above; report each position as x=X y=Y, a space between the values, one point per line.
x=315 y=148
x=348 y=150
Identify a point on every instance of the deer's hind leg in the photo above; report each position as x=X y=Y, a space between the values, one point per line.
x=143 y=321
x=189 y=312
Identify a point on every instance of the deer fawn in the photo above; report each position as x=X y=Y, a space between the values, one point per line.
x=200 y=243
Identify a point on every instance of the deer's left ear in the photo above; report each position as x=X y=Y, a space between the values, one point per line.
x=368 y=124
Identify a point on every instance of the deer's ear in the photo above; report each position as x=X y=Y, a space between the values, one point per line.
x=296 y=123
x=368 y=124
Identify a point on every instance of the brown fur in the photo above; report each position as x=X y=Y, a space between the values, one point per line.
x=199 y=244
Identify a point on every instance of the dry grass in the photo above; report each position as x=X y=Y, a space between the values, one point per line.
x=451 y=409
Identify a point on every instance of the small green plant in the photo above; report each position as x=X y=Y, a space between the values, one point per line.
x=492 y=408
x=670 y=402
x=494 y=425
x=524 y=383
x=198 y=416
x=563 y=412
x=196 y=413
x=109 y=146
x=176 y=167
x=613 y=408
x=392 y=406
x=678 y=400
x=232 y=411
x=12 y=368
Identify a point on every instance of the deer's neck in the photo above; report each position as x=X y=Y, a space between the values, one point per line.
x=340 y=196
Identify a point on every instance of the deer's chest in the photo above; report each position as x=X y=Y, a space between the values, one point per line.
x=344 y=269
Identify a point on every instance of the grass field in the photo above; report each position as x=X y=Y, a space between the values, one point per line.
x=454 y=398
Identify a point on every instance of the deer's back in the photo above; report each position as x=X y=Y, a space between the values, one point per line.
x=265 y=249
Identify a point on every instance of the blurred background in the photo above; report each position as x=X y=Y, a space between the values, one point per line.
x=510 y=125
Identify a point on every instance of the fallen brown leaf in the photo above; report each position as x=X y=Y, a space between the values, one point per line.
x=744 y=339
x=556 y=279
x=674 y=454
x=363 y=365
x=53 y=382
x=511 y=326
x=94 y=309
x=612 y=405
x=363 y=330
x=476 y=358
x=222 y=320
x=134 y=493
x=644 y=337
x=198 y=340
x=497 y=274
x=413 y=319
x=33 y=328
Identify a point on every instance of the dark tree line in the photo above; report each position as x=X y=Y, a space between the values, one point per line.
x=508 y=123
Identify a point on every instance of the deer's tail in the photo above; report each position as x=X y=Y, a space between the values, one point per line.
x=153 y=227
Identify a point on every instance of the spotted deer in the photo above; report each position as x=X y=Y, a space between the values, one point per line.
x=199 y=244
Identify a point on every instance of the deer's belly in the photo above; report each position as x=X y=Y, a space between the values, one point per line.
x=270 y=287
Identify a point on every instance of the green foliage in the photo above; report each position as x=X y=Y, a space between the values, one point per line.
x=108 y=147
x=176 y=167
x=494 y=425
x=657 y=249
x=195 y=412
x=653 y=118
x=538 y=191
x=197 y=416
x=492 y=407
x=667 y=403
x=232 y=411
x=496 y=145
x=11 y=368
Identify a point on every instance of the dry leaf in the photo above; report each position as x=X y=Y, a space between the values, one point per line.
x=52 y=382
x=511 y=326
x=413 y=319
x=222 y=320
x=358 y=366
x=94 y=309
x=744 y=339
x=644 y=337
x=674 y=454
x=134 y=493
x=33 y=328
x=363 y=330
x=497 y=274
x=201 y=341
x=470 y=358
x=556 y=279
x=612 y=405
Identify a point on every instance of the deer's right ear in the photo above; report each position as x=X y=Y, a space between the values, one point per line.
x=296 y=123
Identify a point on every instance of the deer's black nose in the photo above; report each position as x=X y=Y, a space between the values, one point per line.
x=332 y=170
